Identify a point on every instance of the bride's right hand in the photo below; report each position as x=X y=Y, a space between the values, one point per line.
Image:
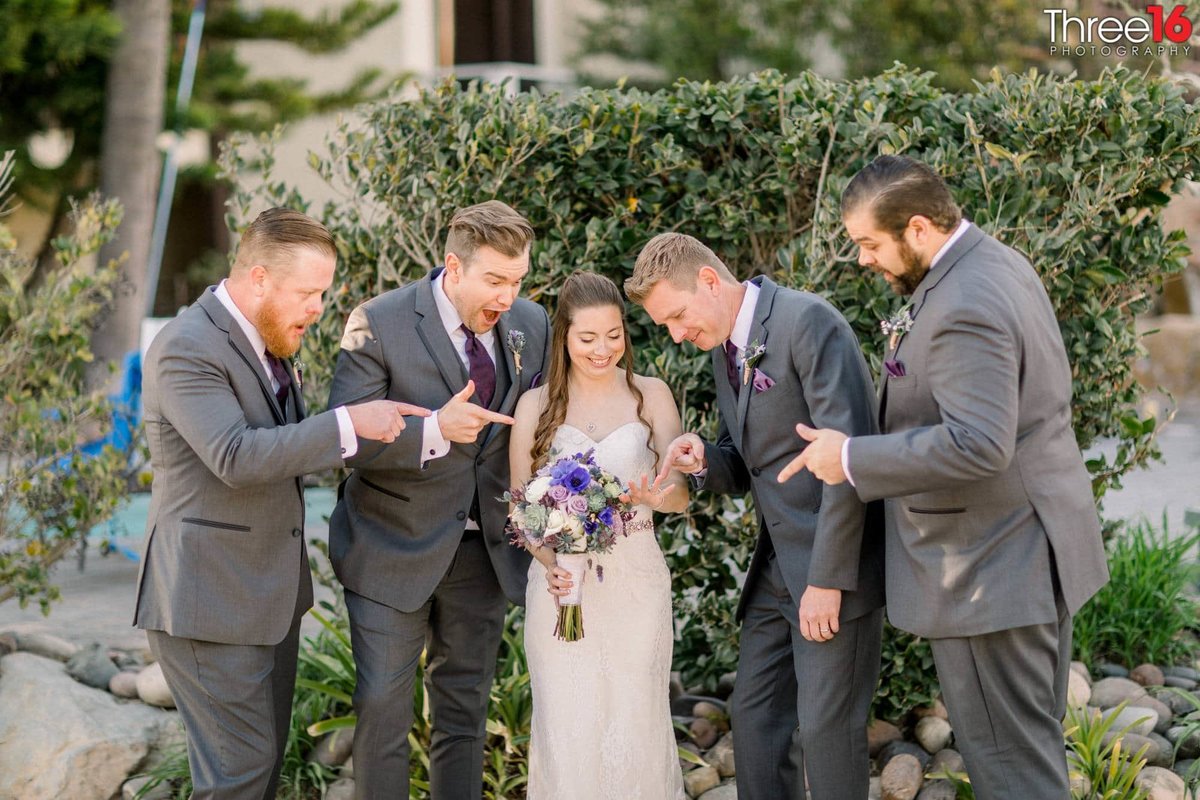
x=558 y=581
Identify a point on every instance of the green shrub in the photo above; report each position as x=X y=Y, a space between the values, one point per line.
x=1073 y=172
x=1145 y=612
x=907 y=676
x=1107 y=768
x=51 y=493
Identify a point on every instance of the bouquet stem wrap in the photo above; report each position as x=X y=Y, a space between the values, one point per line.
x=570 y=608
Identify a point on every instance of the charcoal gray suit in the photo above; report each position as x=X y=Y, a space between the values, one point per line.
x=414 y=579
x=993 y=541
x=799 y=705
x=224 y=578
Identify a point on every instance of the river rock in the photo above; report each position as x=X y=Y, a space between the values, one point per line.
x=61 y=739
x=152 y=687
x=901 y=779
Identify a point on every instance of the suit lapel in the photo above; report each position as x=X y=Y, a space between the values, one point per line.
x=504 y=361
x=221 y=317
x=436 y=340
x=726 y=400
x=758 y=336
x=971 y=237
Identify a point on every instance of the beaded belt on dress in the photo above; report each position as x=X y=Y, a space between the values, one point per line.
x=638 y=525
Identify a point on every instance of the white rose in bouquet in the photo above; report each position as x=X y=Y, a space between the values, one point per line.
x=574 y=529
x=555 y=522
x=537 y=489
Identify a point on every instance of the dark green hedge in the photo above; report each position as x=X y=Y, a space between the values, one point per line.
x=1073 y=173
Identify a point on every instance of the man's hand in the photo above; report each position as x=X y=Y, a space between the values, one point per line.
x=685 y=454
x=819 y=609
x=822 y=457
x=382 y=420
x=461 y=420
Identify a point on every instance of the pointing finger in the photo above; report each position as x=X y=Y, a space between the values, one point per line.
x=492 y=416
x=409 y=410
x=793 y=467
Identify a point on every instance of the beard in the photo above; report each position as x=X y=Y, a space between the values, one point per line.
x=277 y=334
x=914 y=271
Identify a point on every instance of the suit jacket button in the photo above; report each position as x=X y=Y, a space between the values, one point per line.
x=461 y=515
x=297 y=532
x=756 y=472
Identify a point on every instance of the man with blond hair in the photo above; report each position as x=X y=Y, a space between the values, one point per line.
x=225 y=578
x=417 y=537
x=811 y=606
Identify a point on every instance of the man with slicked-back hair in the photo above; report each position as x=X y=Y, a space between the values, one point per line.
x=993 y=541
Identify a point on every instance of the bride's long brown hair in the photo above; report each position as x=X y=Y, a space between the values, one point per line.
x=581 y=290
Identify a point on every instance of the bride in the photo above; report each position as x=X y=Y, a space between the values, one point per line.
x=601 y=717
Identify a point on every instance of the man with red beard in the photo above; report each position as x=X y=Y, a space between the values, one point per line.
x=225 y=578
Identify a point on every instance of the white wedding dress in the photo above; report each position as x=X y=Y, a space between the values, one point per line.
x=601 y=715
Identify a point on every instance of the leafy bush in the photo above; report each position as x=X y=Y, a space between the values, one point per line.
x=1145 y=612
x=907 y=676
x=51 y=492
x=1073 y=172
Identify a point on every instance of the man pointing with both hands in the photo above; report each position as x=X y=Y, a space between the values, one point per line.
x=417 y=536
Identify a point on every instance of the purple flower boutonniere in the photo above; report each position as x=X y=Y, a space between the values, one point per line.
x=751 y=356
x=298 y=369
x=895 y=326
x=516 y=343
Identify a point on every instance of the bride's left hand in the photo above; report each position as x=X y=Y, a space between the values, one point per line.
x=647 y=493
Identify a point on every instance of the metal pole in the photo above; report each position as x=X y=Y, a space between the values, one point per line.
x=166 y=192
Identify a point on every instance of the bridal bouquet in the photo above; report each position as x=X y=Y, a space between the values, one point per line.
x=574 y=508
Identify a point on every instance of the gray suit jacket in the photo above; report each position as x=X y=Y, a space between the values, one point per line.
x=224 y=556
x=396 y=526
x=990 y=503
x=822 y=535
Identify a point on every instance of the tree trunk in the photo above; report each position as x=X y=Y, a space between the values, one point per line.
x=130 y=165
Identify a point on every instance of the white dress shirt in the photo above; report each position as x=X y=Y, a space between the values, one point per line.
x=963 y=224
x=349 y=441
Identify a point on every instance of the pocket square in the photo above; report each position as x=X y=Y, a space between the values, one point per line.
x=895 y=368
x=762 y=381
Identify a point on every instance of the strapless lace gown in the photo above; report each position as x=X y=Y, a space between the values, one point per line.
x=601 y=715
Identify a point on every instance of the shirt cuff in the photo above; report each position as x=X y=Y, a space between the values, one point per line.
x=846 y=462
x=346 y=434
x=433 y=445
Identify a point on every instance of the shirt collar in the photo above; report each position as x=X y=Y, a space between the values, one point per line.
x=963 y=224
x=449 y=314
x=256 y=340
x=740 y=335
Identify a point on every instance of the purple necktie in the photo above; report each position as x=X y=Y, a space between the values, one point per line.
x=280 y=373
x=482 y=370
x=731 y=367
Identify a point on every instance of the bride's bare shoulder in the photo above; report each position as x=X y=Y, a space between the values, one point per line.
x=532 y=402
x=654 y=390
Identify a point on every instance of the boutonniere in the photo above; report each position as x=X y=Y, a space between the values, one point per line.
x=516 y=343
x=298 y=369
x=751 y=356
x=897 y=325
